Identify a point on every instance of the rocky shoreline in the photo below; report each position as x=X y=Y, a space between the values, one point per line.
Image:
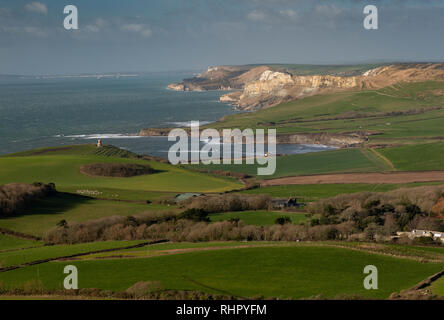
x=323 y=138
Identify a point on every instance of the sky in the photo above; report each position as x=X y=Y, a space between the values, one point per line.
x=170 y=35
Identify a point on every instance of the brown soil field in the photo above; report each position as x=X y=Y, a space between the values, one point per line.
x=371 y=178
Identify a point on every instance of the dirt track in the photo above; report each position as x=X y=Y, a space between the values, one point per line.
x=372 y=178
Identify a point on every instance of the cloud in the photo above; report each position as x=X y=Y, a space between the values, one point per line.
x=257 y=16
x=327 y=10
x=273 y=16
x=26 y=30
x=146 y=33
x=37 y=7
x=35 y=31
x=288 y=13
x=141 y=29
x=96 y=26
x=133 y=27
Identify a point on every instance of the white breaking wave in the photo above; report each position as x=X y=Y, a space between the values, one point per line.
x=319 y=146
x=99 y=136
x=187 y=124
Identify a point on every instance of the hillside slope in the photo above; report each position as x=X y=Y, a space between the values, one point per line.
x=258 y=87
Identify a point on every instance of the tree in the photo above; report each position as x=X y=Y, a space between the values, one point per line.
x=282 y=220
x=62 y=224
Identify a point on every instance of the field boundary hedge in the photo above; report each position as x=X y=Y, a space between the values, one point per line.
x=35 y=262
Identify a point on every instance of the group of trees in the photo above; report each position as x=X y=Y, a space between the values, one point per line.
x=228 y=202
x=381 y=214
x=16 y=196
x=122 y=170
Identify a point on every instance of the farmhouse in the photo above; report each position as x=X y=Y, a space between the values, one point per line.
x=185 y=196
x=435 y=235
x=285 y=203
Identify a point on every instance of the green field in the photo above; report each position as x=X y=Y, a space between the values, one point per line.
x=258 y=218
x=438 y=287
x=348 y=160
x=8 y=243
x=416 y=157
x=63 y=170
x=412 y=157
x=313 y=192
x=18 y=257
x=45 y=213
x=294 y=272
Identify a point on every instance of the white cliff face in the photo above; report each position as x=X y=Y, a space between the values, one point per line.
x=374 y=72
x=269 y=75
x=282 y=83
x=268 y=82
x=265 y=88
x=326 y=81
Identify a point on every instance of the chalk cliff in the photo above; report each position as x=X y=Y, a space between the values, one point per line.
x=256 y=87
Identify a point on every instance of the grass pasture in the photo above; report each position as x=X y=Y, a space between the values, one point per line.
x=418 y=157
x=438 y=287
x=347 y=160
x=45 y=213
x=8 y=243
x=18 y=257
x=63 y=170
x=313 y=192
x=287 y=272
x=61 y=165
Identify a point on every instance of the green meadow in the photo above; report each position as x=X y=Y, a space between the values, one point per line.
x=9 y=243
x=64 y=170
x=18 y=257
x=411 y=157
x=286 y=272
x=347 y=160
x=438 y=287
x=45 y=213
x=417 y=157
x=313 y=192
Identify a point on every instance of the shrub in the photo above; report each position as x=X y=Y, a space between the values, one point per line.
x=228 y=202
x=194 y=215
x=144 y=288
x=282 y=220
x=423 y=240
x=16 y=196
x=121 y=170
x=62 y=224
x=372 y=204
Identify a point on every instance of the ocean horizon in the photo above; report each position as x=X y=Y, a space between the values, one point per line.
x=47 y=112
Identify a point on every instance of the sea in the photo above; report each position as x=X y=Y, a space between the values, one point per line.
x=55 y=111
